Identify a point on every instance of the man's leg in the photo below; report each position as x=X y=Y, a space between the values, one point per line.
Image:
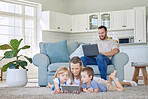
x=102 y=62
x=88 y=61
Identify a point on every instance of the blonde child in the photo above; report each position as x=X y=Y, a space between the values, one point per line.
x=90 y=85
x=61 y=77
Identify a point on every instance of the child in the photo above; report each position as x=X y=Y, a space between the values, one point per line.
x=90 y=85
x=60 y=78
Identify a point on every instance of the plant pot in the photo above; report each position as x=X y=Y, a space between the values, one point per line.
x=16 y=77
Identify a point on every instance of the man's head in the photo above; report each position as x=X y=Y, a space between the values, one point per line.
x=87 y=74
x=102 y=30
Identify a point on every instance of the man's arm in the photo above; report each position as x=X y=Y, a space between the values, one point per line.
x=110 y=53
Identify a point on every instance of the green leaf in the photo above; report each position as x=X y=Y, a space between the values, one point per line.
x=29 y=59
x=25 y=47
x=5 y=47
x=6 y=66
x=14 y=43
x=9 y=54
x=20 y=41
x=21 y=63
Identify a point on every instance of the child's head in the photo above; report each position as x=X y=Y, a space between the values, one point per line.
x=87 y=74
x=62 y=73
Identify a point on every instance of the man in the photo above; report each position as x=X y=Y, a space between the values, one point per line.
x=107 y=49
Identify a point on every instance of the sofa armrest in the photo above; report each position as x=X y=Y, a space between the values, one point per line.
x=41 y=61
x=119 y=61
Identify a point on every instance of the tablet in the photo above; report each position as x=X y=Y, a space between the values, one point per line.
x=70 y=88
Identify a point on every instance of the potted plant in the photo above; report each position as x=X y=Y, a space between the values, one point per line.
x=16 y=77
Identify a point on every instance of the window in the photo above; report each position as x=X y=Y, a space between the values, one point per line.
x=18 y=20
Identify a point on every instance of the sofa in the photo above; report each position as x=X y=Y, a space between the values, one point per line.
x=54 y=55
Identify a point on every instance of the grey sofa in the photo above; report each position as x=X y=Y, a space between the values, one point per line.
x=46 y=69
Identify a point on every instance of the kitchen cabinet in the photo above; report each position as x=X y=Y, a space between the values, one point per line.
x=122 y=19
x=54 y=21
x=93 y=21
x=140 y=24
x=106 y=19
x=79 y=23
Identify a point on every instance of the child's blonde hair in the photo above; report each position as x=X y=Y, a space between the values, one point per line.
x=61 y=70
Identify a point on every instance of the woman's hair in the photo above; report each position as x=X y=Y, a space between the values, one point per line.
x=89 y=70
x=75 y=60
x=61 y=70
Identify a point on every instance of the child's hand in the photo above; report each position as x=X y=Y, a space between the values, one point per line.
x=84 y=89
x=57 y=91
x=90 y=89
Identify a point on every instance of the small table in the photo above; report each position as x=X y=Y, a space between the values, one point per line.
x=138 y=66
x=1 y=74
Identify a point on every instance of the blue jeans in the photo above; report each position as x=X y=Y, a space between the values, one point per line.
x=102 y=61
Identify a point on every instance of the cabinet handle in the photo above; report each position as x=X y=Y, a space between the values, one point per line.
x=139 y=40
x=123 y=25
x=86 y=28
x=58 y=27
x=71 y=29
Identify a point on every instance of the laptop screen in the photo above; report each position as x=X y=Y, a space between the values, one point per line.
x=90 y=50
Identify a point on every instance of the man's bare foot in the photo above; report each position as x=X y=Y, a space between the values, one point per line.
x=50 y=85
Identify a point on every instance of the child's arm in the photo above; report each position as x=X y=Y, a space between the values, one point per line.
x=92 y=90
x=57 y=89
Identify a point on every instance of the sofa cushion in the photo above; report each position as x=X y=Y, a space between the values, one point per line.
x=54 y=66
x=78 y=52
x=72 y=46
x=57 y=52
x=110 y=69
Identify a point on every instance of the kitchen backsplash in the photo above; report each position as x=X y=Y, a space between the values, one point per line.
x=83 y=37
x=90 y=37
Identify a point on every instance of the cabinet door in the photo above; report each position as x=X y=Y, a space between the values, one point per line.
x=53 y=21
x=93 y=21
x=140 y=24
x=75 y=23
x=129 y=19
x=83 y=23
x=118 y=20
x=105 y=19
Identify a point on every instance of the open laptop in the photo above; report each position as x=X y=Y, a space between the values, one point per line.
x=90 y=50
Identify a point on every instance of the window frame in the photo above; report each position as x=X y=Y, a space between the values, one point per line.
x=37 y=21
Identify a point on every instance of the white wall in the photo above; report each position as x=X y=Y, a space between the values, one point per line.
x=53 y=5
x=91 y=6
x=55 y=36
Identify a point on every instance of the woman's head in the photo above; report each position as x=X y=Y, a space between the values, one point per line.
x=62 y=73
x=75 y=67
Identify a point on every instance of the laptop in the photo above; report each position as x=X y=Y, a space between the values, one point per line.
x=90 y=50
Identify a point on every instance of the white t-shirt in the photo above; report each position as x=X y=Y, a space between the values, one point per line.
x=76 y=81
x=106 y=45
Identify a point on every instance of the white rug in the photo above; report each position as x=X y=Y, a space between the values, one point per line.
x=140 y=92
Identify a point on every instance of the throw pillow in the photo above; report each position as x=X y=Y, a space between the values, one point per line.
x=57 y=52
x=72 y=46
x=78 y=52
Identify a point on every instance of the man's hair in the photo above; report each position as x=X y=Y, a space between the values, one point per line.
x=89 y=71
x=100 y=27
